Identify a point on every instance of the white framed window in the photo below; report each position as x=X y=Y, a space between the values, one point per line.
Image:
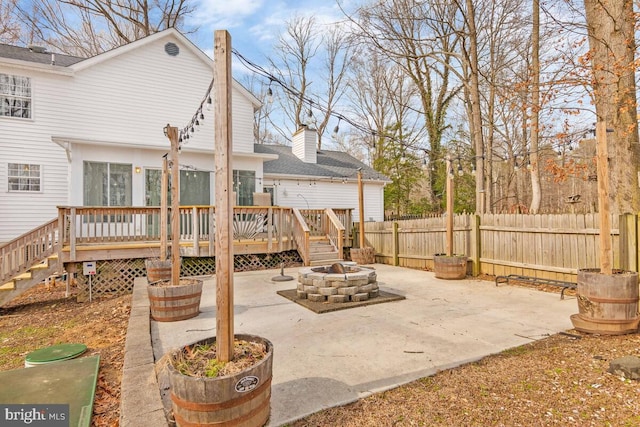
x=107 y=184
x=244 y=184
x=15 y=96
x=24 y=177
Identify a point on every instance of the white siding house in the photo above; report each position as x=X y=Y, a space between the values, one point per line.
x=79 y=131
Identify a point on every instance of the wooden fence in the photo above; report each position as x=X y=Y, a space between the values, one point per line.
x=549 y=246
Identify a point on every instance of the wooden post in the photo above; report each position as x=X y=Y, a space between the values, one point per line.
x=172 y=134
x=164 y=209
x=395 y=245
x=224 y=194
x=449 y=208
x=476 y=248
x=603 y=197
x=361 y=209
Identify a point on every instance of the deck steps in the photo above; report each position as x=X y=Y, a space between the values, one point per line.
x=323 y=252
x=9 y=286
x=38 y=273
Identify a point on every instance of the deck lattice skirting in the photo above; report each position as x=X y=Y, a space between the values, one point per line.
x=116 y=277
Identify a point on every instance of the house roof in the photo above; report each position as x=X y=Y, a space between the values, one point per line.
x=35 y=56
x=76 y=64
x=330 y=164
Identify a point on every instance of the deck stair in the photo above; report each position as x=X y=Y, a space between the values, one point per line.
x=45 y=271
x=323 y=252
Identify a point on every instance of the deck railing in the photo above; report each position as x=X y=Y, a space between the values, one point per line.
x=335 y=230
x=301 y=234
x=27 y=250
x=256 y=228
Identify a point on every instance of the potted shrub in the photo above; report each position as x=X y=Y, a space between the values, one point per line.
x=207 y=391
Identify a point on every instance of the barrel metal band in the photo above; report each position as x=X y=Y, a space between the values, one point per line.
x=609 y=321
x=177 y=307
x=612 y=300
x=208 y=407
x=228 y=423
x=175 y=298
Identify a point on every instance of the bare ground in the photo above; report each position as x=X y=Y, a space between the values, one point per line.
x=561 y=380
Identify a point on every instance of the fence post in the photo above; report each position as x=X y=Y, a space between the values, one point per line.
x=395 y=245
x=628 y=242
x=475 y=244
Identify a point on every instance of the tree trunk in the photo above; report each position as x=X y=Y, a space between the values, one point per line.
x=612 y=44
x=476 y=119
x=534 y=158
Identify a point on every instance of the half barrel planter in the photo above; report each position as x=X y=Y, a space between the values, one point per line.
x=157 y=269
x=242 y=399
x=170 y=302
x=452 y=267
x=607 y=303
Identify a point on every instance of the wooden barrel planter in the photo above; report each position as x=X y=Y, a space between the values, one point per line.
x=363 y=256
x=242 y=399
x=450 y=267
x=170 y=303
x=607 y=303
x=157 y=269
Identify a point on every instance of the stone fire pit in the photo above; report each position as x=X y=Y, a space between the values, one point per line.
x=339 y=282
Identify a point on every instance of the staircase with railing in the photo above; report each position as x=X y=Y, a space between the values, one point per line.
x=28 y=260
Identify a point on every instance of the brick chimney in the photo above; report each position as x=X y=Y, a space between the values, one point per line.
x=304 y=144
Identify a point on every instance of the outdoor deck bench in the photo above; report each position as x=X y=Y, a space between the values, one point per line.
x=537 y=281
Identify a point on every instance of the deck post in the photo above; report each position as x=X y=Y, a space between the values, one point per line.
x=164 y=208
x=224 y=194
x=172 y=134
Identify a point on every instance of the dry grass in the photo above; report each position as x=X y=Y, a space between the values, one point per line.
x=561 y=380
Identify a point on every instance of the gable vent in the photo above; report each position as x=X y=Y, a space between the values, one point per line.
x=172 y=49
x=37 y=49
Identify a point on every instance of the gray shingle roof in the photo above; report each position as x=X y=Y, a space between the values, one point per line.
x=334 y=164
x=26 y=54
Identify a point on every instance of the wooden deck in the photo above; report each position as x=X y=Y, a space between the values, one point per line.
x=83 y=233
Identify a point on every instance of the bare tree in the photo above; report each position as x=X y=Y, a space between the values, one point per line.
x=89 y=27
x=9 y=25
x=383 y=97
x=293 y=53
x=304 y=51
x=418 y=38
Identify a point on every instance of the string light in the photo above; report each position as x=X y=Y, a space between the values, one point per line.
x=336 y=130
x=269 y=94
x=197 y=119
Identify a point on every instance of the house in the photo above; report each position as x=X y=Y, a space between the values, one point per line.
x=89 y=132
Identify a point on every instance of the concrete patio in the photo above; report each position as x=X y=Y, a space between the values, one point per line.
x=330 y=359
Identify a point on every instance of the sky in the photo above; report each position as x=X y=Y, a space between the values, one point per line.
x=255 y=25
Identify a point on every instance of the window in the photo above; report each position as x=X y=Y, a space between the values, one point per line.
x=107 y=184
x=24 y=177
x=195 y=188
x=244 y=184
x=15 y=96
